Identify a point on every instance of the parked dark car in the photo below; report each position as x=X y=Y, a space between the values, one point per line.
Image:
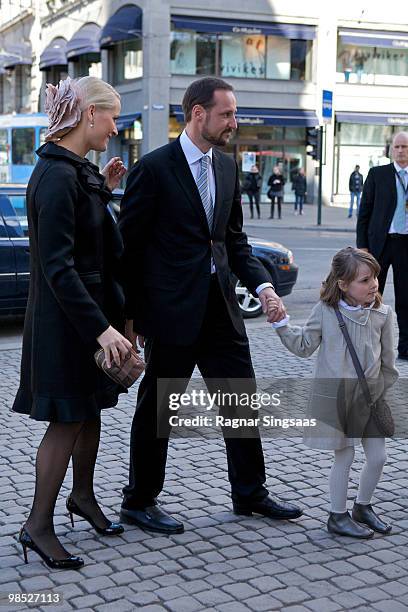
x=14 y=250
x=14 y=257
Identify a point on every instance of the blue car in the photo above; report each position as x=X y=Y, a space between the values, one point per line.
x=15 y=266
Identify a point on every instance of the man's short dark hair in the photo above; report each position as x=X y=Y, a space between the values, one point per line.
x=357 y=167
x=202 y=92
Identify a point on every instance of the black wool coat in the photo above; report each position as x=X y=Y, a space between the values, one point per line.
x=74 y=294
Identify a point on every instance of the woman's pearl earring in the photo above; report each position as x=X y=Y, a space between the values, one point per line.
x=92 y=124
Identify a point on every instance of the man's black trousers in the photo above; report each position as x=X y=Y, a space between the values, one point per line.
x=219 y=352
x=395 y=254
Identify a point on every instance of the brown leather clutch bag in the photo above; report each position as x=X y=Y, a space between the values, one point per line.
x=127 y=373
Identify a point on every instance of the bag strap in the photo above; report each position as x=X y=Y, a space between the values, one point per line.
x=356 y=362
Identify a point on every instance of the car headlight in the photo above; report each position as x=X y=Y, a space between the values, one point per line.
x=278 y=258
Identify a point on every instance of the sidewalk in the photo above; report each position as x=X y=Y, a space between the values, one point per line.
x=222 y=563
x=334 y=218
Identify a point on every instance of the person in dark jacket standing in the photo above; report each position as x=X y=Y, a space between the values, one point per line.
x=252 y=186
x=382 y=228
x=299 y=186
x=276 y=183
x=75 y=305
x=356 y=181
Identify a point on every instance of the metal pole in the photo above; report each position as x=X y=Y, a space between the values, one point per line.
x=319 y=188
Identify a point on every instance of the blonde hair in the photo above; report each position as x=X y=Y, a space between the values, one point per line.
x=65 y=103
x=345 y=265
x=95 y=91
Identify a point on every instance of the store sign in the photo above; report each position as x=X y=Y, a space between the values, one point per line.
x=400 y=43
x=245 y=30
x=251 y=120
x=397 y=120
x=248 y=160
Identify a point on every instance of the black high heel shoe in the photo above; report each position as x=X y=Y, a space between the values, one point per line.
x=113 y=529
x=26 y=541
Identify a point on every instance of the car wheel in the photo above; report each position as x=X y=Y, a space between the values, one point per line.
x=249 y=305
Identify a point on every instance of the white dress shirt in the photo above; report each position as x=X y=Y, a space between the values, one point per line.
x=392 y=228
x=193 y=156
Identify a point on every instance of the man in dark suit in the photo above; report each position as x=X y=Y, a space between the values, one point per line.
x=181 y=221
x=382 y=228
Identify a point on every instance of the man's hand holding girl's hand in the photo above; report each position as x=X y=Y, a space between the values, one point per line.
x=272 y=305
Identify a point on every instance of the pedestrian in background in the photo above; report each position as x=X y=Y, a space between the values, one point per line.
x=299 y=186
x=276 y=183
x=355 y=187
x=352 y=288
x=75 y=305
x=252 y=187
x=382 y=228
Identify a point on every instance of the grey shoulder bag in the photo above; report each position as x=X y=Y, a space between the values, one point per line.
x=380 y=410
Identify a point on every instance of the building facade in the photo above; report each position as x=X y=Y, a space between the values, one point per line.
x=279 y=58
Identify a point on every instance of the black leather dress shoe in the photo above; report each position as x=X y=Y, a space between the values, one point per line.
x=342 y=524
x=364 y=513
x=269 y=507
x=152 y=518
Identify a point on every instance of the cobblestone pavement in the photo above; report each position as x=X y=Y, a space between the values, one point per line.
x=221 y=562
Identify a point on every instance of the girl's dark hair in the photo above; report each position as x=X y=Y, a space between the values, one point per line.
x=202 y=92
x=345 y=265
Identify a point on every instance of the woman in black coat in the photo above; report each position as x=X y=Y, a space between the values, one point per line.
x=276 y=184
x=75 y=305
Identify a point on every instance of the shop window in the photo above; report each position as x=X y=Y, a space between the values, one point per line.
x=88 y=64
x=192 y=53
x=23 y=88
x=6 y=92
x=295 y=133
x=55 y=74
x=300 y=60
x=372 y=65
x=23 y=144
x=358 y=133
x=127 y=60
x=278 y=58
x=242 y=56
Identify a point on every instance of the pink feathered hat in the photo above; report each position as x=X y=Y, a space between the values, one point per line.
x=62 y=105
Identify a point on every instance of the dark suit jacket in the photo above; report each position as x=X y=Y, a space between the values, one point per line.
x=377 y=207
x=168 y=245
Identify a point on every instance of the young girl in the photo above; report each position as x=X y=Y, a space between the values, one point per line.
x=352 y=286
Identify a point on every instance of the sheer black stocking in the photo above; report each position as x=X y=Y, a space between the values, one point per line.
x=83 y=462
x=52 y=462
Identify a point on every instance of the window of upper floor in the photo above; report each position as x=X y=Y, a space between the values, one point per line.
x=372 y=58
x=253 y=54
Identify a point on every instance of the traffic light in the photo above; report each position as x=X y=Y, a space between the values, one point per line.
x=313 y=142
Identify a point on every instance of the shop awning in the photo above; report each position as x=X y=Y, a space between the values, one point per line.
x=372 y=118
x=54 y=54
x=374 y=38
x=86 y=40
x=19 y=54
x=126 y=121
x=266 y=116
x=125 y=24
x=287 y=30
